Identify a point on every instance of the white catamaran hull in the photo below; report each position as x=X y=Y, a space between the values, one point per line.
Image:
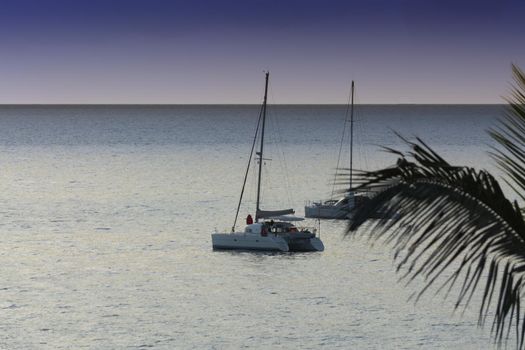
x=243 y=241
x=325 y=212
x=331 y=209
x=280 y=236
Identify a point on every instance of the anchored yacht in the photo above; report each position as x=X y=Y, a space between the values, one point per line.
x=272 y=230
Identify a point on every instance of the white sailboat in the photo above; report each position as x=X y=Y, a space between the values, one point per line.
x=340 y=208
x=272 y=230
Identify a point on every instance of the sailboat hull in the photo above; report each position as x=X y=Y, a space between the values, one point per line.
x=325 y=212
x=242 y=241
x=251 y=239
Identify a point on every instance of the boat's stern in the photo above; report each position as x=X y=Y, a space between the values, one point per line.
x=316 y=244
x=305 y=242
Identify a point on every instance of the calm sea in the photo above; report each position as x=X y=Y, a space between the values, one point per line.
x=107 y=213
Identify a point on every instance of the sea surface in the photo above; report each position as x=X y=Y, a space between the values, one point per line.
x=106 y=216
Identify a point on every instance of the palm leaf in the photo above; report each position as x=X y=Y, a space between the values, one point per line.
x=454 y=224
x=511 y=136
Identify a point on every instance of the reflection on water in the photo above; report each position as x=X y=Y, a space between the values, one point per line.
x=107 y=214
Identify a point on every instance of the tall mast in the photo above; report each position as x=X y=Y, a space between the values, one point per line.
x=351 y=132
x=260 y=153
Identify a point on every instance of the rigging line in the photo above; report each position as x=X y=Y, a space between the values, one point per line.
x=279 y=142
x=360 y=136
x=351 y=135
x=341 y=144
x=247 y=168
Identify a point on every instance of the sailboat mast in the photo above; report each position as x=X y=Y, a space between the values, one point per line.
x=351 y=133
x=260 y=153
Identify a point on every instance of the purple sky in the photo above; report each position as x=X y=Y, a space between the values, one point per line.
x=198 y=51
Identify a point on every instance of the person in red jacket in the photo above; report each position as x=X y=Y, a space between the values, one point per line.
x=249 y=220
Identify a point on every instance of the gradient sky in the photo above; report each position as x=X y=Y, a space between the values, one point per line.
x=203 y=51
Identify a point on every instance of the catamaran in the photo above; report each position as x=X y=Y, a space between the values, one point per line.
x=340 y=208
x=273 y=230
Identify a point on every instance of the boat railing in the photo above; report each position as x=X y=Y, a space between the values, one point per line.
x=311 y=229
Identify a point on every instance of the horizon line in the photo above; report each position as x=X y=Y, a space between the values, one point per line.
x=251 y=104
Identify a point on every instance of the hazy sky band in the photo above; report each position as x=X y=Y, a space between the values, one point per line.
x=215 y=51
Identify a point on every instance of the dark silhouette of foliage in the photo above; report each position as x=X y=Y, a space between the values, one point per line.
x=455 y=222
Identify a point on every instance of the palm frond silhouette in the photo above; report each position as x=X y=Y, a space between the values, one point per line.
x=453 y=226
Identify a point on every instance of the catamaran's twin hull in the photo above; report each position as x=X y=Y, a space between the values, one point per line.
x=241 y=241
x=313 y=244
x=325 y=212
